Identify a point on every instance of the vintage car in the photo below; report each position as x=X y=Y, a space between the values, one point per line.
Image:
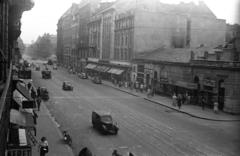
x=44 y=93
x=83 y=76
x=45 y=63
x=96 y=80
x=46 y=74
x=103 y=121
x=55 y=67
x=67 y=85
x=70 y=71
x=37 y=67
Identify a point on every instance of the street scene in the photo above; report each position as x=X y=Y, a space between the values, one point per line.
x=119 y=78
x=145 y=128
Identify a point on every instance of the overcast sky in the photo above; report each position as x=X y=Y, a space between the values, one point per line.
x=44 y=15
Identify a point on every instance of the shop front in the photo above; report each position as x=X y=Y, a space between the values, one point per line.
x=209 y=91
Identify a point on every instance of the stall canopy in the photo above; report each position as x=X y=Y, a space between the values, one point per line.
x=115 y=71
x=23 y=90
x=92 y=66
x=21 y=119
x=89 y=65
x=119 y=72
x=19 y=99
x=106 y=69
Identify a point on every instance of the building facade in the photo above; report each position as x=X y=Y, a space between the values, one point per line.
x=11 y=13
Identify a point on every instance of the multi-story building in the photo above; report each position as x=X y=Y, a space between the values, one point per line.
x=11 y=13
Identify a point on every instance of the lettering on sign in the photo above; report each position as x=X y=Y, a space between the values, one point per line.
x=163 y=80
x=20 y=152
x=148 y=71
x=207 y=82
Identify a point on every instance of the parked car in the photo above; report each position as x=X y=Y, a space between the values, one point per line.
x=44 y=93
x=67 y=85
x=103 y=121
x=83 y=76
x=45 y=63
x=96 y=80
x=54 y=67
x=46 y=74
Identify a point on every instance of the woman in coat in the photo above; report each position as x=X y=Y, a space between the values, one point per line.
x=43 y=146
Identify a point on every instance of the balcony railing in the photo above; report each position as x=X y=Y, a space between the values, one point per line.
x=4 y=111
x=227 y=64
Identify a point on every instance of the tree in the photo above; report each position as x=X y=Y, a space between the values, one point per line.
x=42 y=48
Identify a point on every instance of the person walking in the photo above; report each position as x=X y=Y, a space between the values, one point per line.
x=33 y=93
x=29 y=85
x=203 y=103
x=137 y=86
x=174 y=100
x=35 y=116
x=215 y=107
x=38 y=92
x=141 y=88
x=43 y=146
x=179 y=101
x=39 y=101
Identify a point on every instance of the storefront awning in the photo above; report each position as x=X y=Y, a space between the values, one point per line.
x=93 y=66
x=106 y=69
x=21 y=119
x=88 y=66
x=110 y=71
x=20 y=99
x=116 y=71
x=120 y=72
x=23 y=90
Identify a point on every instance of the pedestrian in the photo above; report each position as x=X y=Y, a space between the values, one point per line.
x=29 y=85
x=174 y=100
x=38 y=92
x=33 y=93
x=215 y=107
x=203 y=103
x=115 y=153
x=141 y=88
x=153 y=91
x=43 y=146
x=130 y=154
x=137 y=86
x=179 y=101
x=39 y=101
x=120 y=84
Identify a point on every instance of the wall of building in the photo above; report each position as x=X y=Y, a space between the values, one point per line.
x=207 y=31
x=155 y=30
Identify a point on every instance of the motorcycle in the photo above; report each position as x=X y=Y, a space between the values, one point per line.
x=67 y=138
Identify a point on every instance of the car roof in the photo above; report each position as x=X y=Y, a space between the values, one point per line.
x=102 y=113
x=66 y=81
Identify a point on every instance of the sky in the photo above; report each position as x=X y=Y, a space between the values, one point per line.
x=44 y=16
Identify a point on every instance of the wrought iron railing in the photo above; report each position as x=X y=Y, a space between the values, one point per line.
x=5 y=111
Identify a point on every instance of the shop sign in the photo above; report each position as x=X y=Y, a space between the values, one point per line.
x=24 y=74
x=210 y=83
x=163 y=80
x=19 y=151
x=187 y=85
x=148 y=71
x=28 y=104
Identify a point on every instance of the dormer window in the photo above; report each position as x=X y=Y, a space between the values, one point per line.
x=206 y=54
x=192 y=55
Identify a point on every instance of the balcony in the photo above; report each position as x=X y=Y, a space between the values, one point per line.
x=219 y=64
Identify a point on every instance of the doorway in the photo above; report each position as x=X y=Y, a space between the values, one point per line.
x=221 y=94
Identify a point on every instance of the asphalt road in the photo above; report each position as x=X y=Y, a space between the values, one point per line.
x=146 y=129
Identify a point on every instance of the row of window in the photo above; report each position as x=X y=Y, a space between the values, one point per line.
x=123 y=54
x=123 y=39
x=126 y=23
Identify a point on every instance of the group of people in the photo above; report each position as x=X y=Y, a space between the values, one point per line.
x=36 y=96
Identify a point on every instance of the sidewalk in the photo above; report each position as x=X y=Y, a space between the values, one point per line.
x=192 y=110
x=47 y=127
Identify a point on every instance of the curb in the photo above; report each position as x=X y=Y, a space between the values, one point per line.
x=171 y=107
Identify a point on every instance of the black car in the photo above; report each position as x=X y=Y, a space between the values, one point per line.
x=46 y=74
x=96 y=80
x=103 y=121
x=67 y=85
